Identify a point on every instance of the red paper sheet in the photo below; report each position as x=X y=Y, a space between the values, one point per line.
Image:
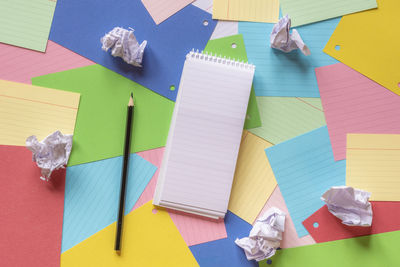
x=386 y=218
x=31 y=211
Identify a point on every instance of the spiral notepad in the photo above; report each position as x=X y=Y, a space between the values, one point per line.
x=200 y=157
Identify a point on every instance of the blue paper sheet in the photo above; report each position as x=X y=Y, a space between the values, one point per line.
x=224 y=252
x=287 y=74
x=304 y=168
x=78 y=25
x=92 y=195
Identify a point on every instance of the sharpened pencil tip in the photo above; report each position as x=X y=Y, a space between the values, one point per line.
x=131 y=100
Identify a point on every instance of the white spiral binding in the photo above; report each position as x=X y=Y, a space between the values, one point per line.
x=219 y=59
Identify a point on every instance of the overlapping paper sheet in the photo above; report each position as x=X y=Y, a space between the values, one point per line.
x=20 y=65
x=92 y=195
x=254 y=180
x=284 y=118
x=31 y=212
x=31 y=110
x=304 y=169
x=364 y=42
x=26 y=23
x=233 y=47
x=308 y=11
x=289 y=238
x=225 y=29
x=162 y=10
x=246 y=10
x=286 y=74
x=325 y=227
x=366 y=251
x=149 y=238
x=225 y=252
x=194 y=229
x=101 y=117
x=79 y=25
x=373 y=164
x=355 y=104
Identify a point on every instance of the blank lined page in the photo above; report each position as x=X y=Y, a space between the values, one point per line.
x=204 y=138
x=26 y=23
x=373 y=164
x=246 y=10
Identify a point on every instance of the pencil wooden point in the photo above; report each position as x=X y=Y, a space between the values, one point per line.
x=131 y=100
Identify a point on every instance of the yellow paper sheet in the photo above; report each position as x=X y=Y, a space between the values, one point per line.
x=246 y=10
x=373 y=164
x=254 y=180
x=31 y=110
x=148 y=239
x=368 y=42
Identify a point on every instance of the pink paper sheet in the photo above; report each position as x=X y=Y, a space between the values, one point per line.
x=20 y=64
x=160 y=10
x=194 y=229
x=290 y=238
x=355 y=104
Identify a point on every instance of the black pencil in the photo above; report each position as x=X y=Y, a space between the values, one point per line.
x=129 y=121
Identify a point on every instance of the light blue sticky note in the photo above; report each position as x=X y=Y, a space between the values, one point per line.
x=287 y=74
x=304 y=168
x=92 y=195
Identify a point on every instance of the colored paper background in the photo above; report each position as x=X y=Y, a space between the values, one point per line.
x=289 y=238
x=304 y=169
x=373 y=164
x=250 y=10
x=366 y=251
x=27 y=27
x=162 y=10
x=101 y=118
x=20 y=65
x=225 y=252
x=149 y=239
x=254 y=180
x=284 y=118
x=92 y=195
x=370 y=33
x=79 y=25
x=386 y=218
x=286 y=74
x=355 y=104
x=31 y=212
x=30 y=110
x=308 y=11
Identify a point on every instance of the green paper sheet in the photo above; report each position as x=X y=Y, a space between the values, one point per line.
x=100 y=123
x=233 y=47
x=286 y=117
x=309 y=11
x=379 y=250
x=26 y=23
